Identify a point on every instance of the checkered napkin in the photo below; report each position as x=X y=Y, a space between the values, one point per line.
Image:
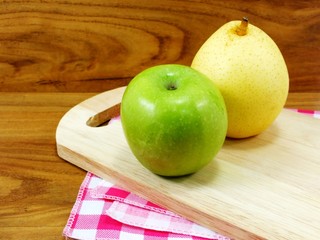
x=315 y=114
x=106 y=212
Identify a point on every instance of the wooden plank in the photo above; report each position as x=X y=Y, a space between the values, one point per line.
x=81 y=46
x=265 y=187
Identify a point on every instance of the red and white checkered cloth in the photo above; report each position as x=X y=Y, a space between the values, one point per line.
x=315 y=114
x=106 y=212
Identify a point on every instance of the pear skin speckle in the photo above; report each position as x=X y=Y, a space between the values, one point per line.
x=251 y=74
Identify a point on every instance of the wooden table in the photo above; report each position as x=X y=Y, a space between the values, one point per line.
x=54 y=55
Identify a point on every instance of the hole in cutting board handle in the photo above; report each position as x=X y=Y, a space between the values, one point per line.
x=103 y=118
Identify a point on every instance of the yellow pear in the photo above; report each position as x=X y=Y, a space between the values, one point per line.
x=250 y=71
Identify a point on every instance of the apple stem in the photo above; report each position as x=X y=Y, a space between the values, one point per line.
x=171 y=86
x=242 y=28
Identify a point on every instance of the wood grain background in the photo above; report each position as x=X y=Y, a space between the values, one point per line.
x=92 y=46
x=54 y=54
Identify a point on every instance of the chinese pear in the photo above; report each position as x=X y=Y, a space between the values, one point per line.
x=249 y=70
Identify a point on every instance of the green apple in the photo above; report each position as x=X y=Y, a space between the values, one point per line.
x=174 y=119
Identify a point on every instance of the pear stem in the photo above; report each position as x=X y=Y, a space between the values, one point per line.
x=242 y=28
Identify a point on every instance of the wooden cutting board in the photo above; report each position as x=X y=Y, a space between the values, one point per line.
x=264 y=187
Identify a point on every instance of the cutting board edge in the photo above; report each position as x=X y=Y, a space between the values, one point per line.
x=220 y=226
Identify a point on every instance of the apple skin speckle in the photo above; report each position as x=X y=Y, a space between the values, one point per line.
x=173 y=132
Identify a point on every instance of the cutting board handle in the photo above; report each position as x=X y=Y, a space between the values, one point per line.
x=103 y=118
